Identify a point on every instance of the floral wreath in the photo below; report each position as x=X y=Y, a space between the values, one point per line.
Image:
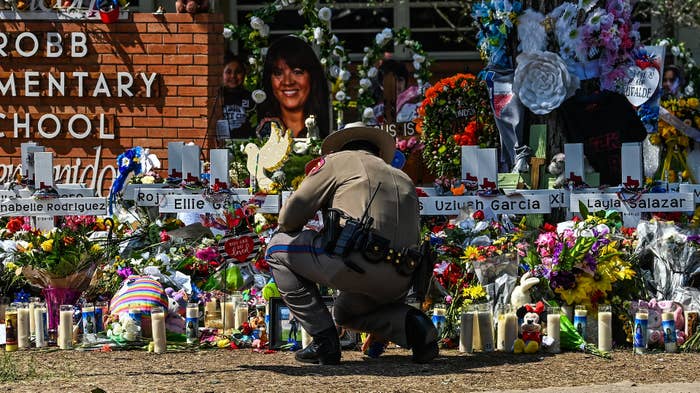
x=332 y=54
x=368 y=69
x=438 y=113
x=673 y=142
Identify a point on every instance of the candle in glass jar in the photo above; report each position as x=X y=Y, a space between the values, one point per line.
x=89 y=324
x=507 y=329
x=604 y=327
x=228 y=311
x=101 y=311
x=581 y=320
x=23 y=326
x=466 y=330
x=241 y=314
x=439 y=318
x=485 y=320
x=668 y=324
x=32 y=302
x=65 y=327
x=639 y=340
x=158 y=329
x=210 y=307
x=192 y=323
x=40 y=328
x=11 y=328
x=554 y=328
x=305 y=338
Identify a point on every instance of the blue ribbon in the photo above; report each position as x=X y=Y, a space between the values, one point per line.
x=127 y=162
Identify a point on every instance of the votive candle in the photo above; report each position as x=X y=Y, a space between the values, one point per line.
x=23 y=326
x=604 y=327
x=40 y=328
x=554 y=328
x=641 y=320
x=581 y=320
x=668 y=324
x=466 y=330
x=192 y=323
x=65 y=327
x=158 y=329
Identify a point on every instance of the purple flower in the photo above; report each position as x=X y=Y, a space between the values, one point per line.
x=562 y=279
x=124 y=272
x=207 y=254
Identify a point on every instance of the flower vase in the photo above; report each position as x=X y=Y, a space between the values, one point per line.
x=55 y=297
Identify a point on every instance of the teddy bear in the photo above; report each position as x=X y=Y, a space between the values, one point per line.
x=531 y=330
x=192 y=6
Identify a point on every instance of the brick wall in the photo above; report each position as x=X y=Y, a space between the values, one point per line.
x=185 y=51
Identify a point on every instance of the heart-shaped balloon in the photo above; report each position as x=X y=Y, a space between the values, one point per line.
x=642 y=86
x=239 y=248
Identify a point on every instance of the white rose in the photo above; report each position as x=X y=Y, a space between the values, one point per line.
x=360 y=91
x=318 y=34
x=310 y=122
x=365 y=61
x=334 y=71
x=365 y=49
x=663 y=42
x=334 y=39
x=365 y=83
x=324 y=61
x=345 y=75
x=324 y=14
x=408 y=42
x=265 y=31
x=379 y=39
x=675 y=50
x=416 y=65
x=263 y=51
x=340 y=96
x=368 y=113
x=542 y=81
x=258 y=96
x=257 y=23
x=418 y=58
x=338 y=50
x=227 y=33
x=148 y=180
x=300 y=147
x=252 y=60
x=372 y=72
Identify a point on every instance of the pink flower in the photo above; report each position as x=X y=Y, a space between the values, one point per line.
x=207 y=254
x=412 y=142
x=448 y=299
x=164 y=237
x=401 y=144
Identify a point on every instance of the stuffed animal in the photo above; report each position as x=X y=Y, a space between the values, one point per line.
x=192 y=6
x=531 y=330
x=521 y=293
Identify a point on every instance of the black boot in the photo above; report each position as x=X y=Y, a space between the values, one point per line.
x=422 y=336
x=324 y=349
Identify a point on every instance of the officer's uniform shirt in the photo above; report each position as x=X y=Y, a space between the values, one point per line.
x=346 y=180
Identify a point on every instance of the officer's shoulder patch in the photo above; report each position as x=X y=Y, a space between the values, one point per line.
x=314 y=166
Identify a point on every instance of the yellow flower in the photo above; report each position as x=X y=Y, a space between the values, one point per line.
x=693 y=102
x=148 y=180
x=10 y=266
x=471 y=253
x=474 y=292
x=47 y=245
x=95 y=248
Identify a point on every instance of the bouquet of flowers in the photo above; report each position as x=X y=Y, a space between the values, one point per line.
x=461 y=247
x=683 y=114
x=581 y=259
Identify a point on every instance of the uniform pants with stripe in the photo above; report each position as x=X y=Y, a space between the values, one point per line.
x=372 y=302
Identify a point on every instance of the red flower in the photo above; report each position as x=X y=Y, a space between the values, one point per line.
x=547 y=227
x=478 y=215
x=261 y=265
x=164 y=237
x=420 y=192
x=14 y=225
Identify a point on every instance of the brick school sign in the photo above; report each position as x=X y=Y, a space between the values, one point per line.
x=88 y=91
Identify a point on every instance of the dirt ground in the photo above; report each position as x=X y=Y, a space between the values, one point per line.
x=246 y=371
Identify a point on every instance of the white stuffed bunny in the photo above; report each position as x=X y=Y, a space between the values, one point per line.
x=521 y=293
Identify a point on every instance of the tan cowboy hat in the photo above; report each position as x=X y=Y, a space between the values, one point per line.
x=360 y=132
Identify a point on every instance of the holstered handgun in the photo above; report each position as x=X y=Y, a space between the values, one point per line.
x=331 y=229
x=423 y=274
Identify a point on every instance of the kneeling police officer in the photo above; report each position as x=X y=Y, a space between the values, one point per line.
x=367 y=249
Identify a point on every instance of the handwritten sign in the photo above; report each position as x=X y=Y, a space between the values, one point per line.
x=643 y=85
x=663 y=202
x=54 y=207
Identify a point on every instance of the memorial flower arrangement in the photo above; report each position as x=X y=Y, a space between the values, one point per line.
x=684 y=114
x=460 y=245
x=60 y=252
x=454 y=113
x=495 y=20
x=582 y=259
x=412 y=145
